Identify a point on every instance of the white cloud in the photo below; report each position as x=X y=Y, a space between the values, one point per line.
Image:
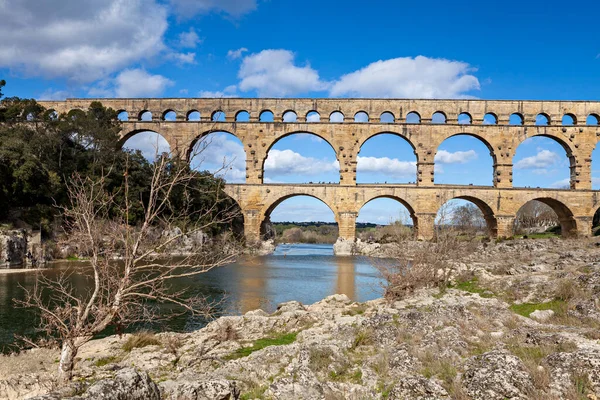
x=543 y=159
x=50 y=94
x=189 y=39
x=190 y=8
x=273 y=73
x=82 y=40
x=132 y=83
x=229 y=91
x=458 y=157
x=562 y=184
x=235 y=54
x=222 y=154
x=385 y=165
x=149 y=143
x=288 y=162
x=182 y=58
x=406 y=77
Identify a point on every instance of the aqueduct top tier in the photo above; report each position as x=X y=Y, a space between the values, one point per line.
x=347 y=123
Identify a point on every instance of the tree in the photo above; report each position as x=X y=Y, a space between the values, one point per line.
x=98 y=219
x=535 y=215
x=468 y=218
x=2 y=83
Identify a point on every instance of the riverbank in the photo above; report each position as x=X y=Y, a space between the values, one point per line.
x=521 y=320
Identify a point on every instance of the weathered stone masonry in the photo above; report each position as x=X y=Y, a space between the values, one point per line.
x=488 y=121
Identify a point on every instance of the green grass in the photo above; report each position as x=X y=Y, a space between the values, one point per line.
x=105 y=361
x=280 y=340
x=472 y=286
x=558 y=306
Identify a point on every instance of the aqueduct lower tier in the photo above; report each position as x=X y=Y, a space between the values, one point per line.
x=575 y=209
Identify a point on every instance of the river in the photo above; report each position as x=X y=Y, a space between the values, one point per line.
x=303 y=272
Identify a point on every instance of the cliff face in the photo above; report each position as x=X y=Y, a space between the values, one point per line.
x=525 y=325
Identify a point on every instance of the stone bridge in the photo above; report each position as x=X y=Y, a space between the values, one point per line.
x=345 y=124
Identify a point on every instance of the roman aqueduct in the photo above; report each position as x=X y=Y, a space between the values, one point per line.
x=348 y=123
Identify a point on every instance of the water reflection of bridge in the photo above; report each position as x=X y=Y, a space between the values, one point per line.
x=253 y=282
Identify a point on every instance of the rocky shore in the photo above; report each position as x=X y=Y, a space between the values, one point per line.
x=521 y=320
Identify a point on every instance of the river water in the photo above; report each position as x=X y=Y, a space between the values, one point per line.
x=302 y=272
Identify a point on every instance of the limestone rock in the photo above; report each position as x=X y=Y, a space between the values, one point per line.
x=541 y=315
x=497 y=375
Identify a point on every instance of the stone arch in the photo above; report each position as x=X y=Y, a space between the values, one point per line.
x=193 y=115
x=486 y=210
x=190 y=149
x=571 y=155
x=516 y=119
x=266 y=116
x=542 y=119
x=265 y=213
x=123 y=139
x=361 y=117
x=336 y=117
x=387 y=117
x=218 y=116
x=439 y=117
x=464 y=118
x=289 y=116
x=481 y=139
x=313 y=116
x=569 y=119
x=568 y=223
x=145 y=115
x=372 y=135
x=122 y=115
x=406 y=204
x=593 y=119
x=242 y=116
x=490 y=118
x=413 y=117
x=278 y=138
x=169 y=115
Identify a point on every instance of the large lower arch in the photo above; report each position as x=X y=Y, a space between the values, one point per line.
x=363 y=139
x=519 y=164
x=464 y=155
x=487 y=211
x=411 y=212
x=302 y=165
x=265 y=215
x=568 y=223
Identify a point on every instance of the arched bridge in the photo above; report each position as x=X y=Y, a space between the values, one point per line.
x=348 y=123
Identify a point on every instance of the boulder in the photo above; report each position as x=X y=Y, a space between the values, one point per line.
x=497 y=375
x=541 y=315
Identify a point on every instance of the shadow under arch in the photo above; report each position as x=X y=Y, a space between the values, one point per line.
x=487 y=211
x=287 y=134
x=568 y=224
x=267 y=210
x=400 y=200
x=564 y=145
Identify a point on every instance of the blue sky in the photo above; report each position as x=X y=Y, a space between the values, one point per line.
x=249 y=48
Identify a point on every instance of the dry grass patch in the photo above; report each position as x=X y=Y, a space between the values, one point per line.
x=140 y=339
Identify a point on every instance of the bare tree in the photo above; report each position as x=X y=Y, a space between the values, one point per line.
x=127 y=290
x=535 y=214
x=426 y=264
